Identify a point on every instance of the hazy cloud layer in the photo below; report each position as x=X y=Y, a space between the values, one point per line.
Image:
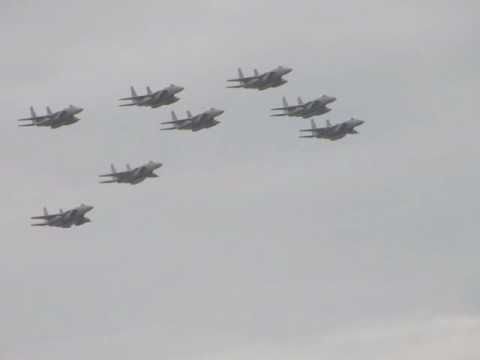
x=251 y=239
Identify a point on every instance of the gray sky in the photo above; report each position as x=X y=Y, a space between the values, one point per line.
x=252 y=243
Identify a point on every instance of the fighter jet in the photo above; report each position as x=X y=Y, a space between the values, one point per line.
x=333 y=132
x=269 y=79
x=306 y=110
x=154 y=99
x=53 y=119
x=75 y=216
x=132 y=176
x=198 y=122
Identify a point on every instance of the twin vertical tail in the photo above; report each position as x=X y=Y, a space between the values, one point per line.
x=240 y=73
x=49 y=111
x=189 y=114
x=300 y=101
x=32 y=112
x=133 y=92
x=256 y=73
x=149 y=91
x=285 y=102
x=174 y=116
x=32 y=118
x=45 y=211
x=112 y=168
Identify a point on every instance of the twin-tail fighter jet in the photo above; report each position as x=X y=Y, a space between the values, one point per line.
x=332 y=132
x=306 y=110
x=64 y=219
x=269 y=79
x=154 y=99
x=132 y=176
x=198 y=122
x=53 y=119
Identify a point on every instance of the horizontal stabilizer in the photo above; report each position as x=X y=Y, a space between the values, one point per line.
x=279 y=115
x=286 y=107
x=235 y=87
x=108 y=181
x=134 y=97
x=306 y=136
x=243 y=79
x=34 y=118
x=39 y=224
x=132 y=104
x=23 y=125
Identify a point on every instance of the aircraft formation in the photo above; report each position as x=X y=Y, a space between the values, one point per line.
x=204 y=120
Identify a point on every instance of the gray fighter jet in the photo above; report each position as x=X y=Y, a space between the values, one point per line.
x=132 y=176
x=333 y=132
x=306 y=110
x=65 y=219
x=198 y=122
x=154 y=99
x=53 y=119
x=269 y=79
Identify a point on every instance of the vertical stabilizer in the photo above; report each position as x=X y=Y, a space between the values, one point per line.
x=128 y=167
x=329 y=124
x=314 y=125
x=149 y=91
x=45 y=211
x=284 y=101
x=174 y=116
x=256 y=72
x=189 y=114
x=240 y=73
x=112 y=167
x=49 y=111
x=133 y=92
x=32 y=112
x=300 y=101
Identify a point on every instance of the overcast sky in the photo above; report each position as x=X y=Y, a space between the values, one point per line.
x=252 y=243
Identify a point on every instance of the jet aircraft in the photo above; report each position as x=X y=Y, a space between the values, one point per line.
x=53 y=119
x=306 y=110
x=132 y=176
x=333 y=132
x=65 y=219
x=155 y=99
x=269 y=79
x=198 y=122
